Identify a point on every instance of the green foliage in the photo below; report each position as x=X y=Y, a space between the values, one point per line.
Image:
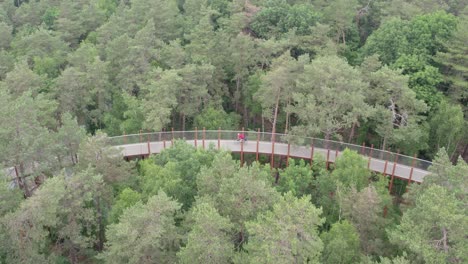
x=424 y=35
x=5 y=31
x=296 y=178
x=212 y=119
x=434 y=228
x=210 y=177
x=209 y=240
x=50 y=16
x=286 y=234
x=96 y=152
x=175 y=171
x=322 y=79
x=351 y=170
x=244 y=196
x=126 y=198
x=341 y=244
x=447 y=126
x=68 y=68
x=279 y=17
x=145 y=233
x=364 y=209
x=10 y=198
x=63 y=213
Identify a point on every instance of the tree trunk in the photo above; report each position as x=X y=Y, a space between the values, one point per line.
x=246 y=116
x=263 y=124
x=344 y=36
x=384 y=145
x=183 y=122
x=275 y=117
x=287 y=119
x=237 y=94
x=465 y=152
x=101 y=236
x=351 y=135
x=327 y=140
x=24 y=182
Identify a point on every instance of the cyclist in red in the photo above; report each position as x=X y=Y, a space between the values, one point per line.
x=240 y=137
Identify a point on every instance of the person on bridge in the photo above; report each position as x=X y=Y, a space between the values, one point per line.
x=241 y=137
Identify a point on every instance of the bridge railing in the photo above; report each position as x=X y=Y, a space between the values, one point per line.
x=294 y=140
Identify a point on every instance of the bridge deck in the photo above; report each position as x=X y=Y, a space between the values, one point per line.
x=378 y=165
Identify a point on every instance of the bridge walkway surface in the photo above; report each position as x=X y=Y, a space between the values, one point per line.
x=388 y=163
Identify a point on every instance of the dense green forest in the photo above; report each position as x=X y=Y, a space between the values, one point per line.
x=387 y=73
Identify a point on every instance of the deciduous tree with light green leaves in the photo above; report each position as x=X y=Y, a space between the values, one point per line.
x=341 y=244
x=447 y=128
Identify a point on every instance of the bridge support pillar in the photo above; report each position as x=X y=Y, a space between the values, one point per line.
x=411 y=172
x=219 y=138
x=258 y=142
x=272 y=158
x=242 y=150
x=172 y=140
x=390 y=186
x=149 y=145
x=311 y=153
x=203 y=142
x=370 y=156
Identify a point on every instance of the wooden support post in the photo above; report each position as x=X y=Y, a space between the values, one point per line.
x=328 y=157
x=272 y=158
x=159 y=137
x=17 y=177
x=311 y=153
x=196 y=134
x=289 y=151
x=203 y=142
x=219 y=138
x=411 y=171
x=363 y=148
x=386 y=163
x=125 y=138
x=242 y=149
x=172 y=140
x=385 y=168
x=258 y=143
x=149 y=145
x=336 y=154
x=164 y=143
x=370 y=156
x=393 y=171
x=141 y=146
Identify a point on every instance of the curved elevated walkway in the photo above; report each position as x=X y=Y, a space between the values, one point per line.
x=392 y=164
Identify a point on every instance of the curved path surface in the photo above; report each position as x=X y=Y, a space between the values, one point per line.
x=392 y=164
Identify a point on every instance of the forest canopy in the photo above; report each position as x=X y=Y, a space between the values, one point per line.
x=387 y=73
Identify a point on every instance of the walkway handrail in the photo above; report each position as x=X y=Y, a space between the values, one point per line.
x=267 y=136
